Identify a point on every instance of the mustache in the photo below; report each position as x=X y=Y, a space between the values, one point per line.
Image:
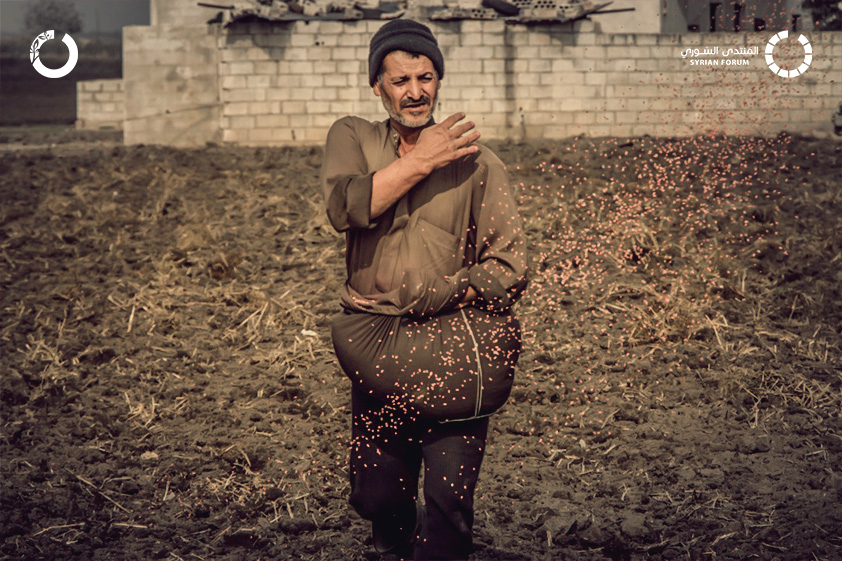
x=423 y=100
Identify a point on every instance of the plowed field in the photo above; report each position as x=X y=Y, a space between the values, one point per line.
x=169 y=390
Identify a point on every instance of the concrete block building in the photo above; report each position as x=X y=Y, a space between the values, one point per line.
x=669 y=68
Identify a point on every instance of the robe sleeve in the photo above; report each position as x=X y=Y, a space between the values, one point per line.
x=499 y=274
x=345 y=178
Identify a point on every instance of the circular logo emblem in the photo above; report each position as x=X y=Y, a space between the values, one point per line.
x=53 y=72
x=805 y=64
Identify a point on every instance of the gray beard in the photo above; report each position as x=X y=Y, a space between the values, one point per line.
x=398 y=118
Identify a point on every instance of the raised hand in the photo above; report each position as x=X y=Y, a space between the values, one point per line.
x=445 y=142
x=435 y=147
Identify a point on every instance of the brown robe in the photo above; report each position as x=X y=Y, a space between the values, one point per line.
x=401 y=337
x=457 y=226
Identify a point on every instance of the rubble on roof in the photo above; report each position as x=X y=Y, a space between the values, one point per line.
x=511 y=11
x=296 y=10
x=524 y=11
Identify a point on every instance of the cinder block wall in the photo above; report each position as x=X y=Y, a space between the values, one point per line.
x=180 y=12
x=170 y=79
x=286 y=83
x=100 y=104
x=267 y=83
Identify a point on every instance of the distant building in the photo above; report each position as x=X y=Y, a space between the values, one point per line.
x=628 y=73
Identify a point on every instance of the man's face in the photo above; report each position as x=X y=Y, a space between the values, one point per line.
x=408 y=88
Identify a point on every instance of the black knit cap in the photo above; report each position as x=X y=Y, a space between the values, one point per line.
x=403 y=35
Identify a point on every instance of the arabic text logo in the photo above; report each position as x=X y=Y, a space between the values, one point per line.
x=724 y=59
x=770 y=60
x=53 y=72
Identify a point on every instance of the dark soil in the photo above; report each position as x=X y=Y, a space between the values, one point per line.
x=169 y=390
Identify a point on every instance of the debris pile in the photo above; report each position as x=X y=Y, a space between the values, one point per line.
x=294 y=10
x=514 y=11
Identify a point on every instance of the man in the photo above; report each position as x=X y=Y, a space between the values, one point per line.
x=435 y=259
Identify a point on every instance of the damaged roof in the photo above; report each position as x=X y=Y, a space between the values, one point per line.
x=296 y=10
x=512 y=11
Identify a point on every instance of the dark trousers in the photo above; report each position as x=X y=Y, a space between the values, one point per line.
x=386 y=454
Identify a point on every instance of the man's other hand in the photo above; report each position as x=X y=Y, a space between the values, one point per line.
x=469 y=298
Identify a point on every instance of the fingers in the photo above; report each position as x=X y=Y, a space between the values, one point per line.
x=456 y=131
x=452 y=120
x=448 y=141
x=467 y=150
x=459 y=133
x=462 y=129
x=464 y=145
x=470 y=138
x=464 y=151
